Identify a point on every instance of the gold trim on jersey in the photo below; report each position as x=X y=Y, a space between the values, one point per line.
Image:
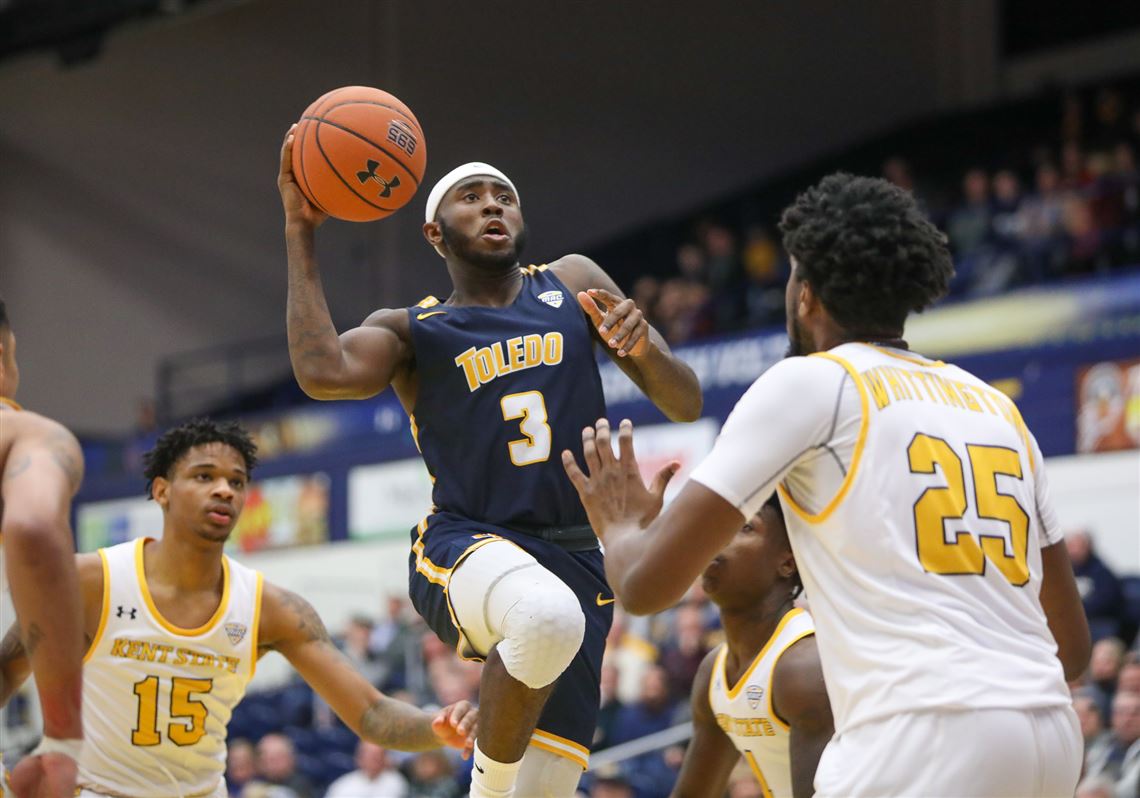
x=432 y=572
x=255 y=632
x=917 y=360
x=569 y=749
x=428 y=301
x=759 y=774
x=12 y=403
x=529 y=271
x=733 y=691
x=223 y=605
x=104 y=610
x=772 y=714
x=826 y=512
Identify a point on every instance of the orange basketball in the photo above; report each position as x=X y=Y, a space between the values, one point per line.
x=359 y=153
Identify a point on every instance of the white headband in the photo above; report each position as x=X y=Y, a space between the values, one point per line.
x=454 y=176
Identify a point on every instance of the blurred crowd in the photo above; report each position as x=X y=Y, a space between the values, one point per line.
x=1107 y=696
x=286 y=743
x=1041 y=211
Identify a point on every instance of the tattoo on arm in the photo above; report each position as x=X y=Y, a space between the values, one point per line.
x=18 y=467
x=61 y=446
x=309 y=624
x=394 y=724
x=11 y=647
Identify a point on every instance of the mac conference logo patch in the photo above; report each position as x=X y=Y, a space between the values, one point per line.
x=552 y=298
x=235 y=632
x=755 y=695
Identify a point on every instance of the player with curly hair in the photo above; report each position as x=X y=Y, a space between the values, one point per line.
x=175 y=628
x=917 y=507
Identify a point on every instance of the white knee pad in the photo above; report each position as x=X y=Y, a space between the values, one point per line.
x=546 y=775
x=502 y=596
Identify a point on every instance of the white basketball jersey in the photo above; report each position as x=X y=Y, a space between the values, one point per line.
x=157 y=698
x=916 y=505
x=744 y=710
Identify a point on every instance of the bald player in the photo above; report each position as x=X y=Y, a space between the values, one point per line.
x=42 y=466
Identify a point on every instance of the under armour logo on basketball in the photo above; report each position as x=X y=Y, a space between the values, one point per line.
x=132 y=612
x=386 y=186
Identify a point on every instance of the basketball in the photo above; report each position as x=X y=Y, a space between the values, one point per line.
x=359 y=154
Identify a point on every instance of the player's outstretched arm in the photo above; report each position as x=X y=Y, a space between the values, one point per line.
x=711 y=756
x=361 y=362
x=42 y=473
x=799 y=698
x=290 y=625
x=630 y=341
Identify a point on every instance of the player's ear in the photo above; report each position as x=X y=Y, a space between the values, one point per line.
x=787 y=565
x=160 y=491
x=434 y=235
x=807 y=301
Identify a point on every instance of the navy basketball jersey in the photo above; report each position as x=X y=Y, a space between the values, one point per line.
x=502 y=391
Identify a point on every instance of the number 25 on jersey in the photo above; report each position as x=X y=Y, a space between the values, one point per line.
x=966 y=553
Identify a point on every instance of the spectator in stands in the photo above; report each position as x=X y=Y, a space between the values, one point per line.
x=1004 y=263
x=277 y=765
x=1104 y=668
x=1040 y=224
x=1120 y=760
x=969 y=228
x=241 y=765
x=764 y=271
x=646 y=290
x=391 y=642
x=1075 y=175
x=1129 y=679
x=357 y=647
x=682 y=654
x=1097 y=739
x=1099 y=586
x=648 y=773
x=433 y=776
x=610 y=707
x=374 y=776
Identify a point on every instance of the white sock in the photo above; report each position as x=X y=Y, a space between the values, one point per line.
x=491 y=779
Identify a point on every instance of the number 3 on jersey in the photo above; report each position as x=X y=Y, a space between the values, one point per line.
x=531 y=408
x=937 y=505
x=190 y=711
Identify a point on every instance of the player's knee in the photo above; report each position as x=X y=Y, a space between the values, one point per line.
x=542 y=633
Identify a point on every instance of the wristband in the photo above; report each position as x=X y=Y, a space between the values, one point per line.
x=51 y=745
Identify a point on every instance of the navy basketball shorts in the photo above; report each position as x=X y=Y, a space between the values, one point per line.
x=443 y=540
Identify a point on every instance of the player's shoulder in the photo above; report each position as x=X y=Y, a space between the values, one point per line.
x=92 y=575
x=32 y=426
x=699 y=695
x=802 y=378
x=797 y=677
x=578 y=272
x=394 y=319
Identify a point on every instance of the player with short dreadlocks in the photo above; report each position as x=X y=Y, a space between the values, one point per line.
x=918 y=509
x=761 y=692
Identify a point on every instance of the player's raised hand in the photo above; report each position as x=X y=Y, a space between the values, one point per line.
x=297 y=207
x=456 y=726
x=619 y=321
x=45 y=776
x=611 y=488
